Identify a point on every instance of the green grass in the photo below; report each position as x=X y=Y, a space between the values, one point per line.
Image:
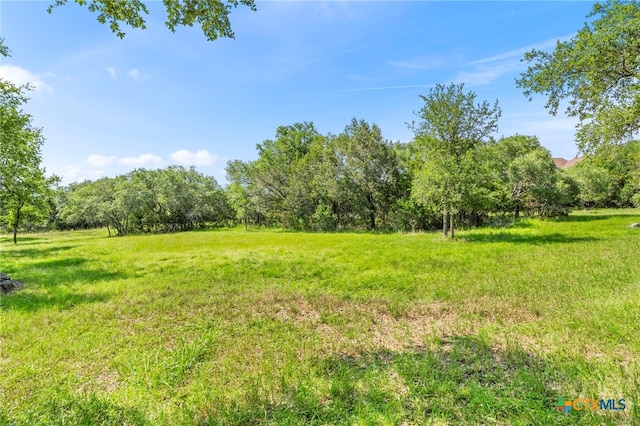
x=274 y=327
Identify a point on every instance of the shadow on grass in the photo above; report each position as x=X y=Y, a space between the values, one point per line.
x=34 y=253
x=76 y=409
x=27 y=301
x=510 y=237
x=52 y=273
x=583 y=218
x=462 y=381
x=507 y=223
x=32 y=240
x=45 y=285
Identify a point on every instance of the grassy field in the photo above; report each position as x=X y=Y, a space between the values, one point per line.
x=273 y=327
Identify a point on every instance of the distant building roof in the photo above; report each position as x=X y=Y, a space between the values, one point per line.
x=561 y=163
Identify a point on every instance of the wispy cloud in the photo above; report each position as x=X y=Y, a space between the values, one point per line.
x=519 y=53
x=410 y=86
x=486 y=74
x=73 y=173
x=428 y=62
x=199 y=158
x=324 y=58
x=20 y=76
x=97 y=160
x=485 y=71
x=112 y=72
x=335 y=8
x=134 y=74
x=143 y=160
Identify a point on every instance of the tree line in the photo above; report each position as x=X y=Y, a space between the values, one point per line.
x=453 y=172
x=169 y=200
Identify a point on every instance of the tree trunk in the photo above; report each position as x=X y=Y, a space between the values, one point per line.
x=445 y=224
x=517 y=212
x=16 y=223
x=451 y=224
x=372 y=212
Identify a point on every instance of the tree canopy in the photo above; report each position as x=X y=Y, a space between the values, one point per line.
x=597 y=72
x=211 y=15
x=451 y=128
x=172 y=199
x=22 y=180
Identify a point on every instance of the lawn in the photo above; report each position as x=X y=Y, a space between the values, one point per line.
x=275 y=327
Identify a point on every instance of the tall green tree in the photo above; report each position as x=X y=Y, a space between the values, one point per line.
x=595 y=184
x=533 y=179
x=280 y=185
x=609 y=177
x=171 y=199
x=238 y=192
x=622 y=163
x=367 y=169
x=506 y=158
x=23 y=184
x=452 y=127
x=597 y=72
x=211 y=15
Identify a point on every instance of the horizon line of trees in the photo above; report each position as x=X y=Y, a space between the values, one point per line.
x=453 y=172
x=163 y=200
x=356 y=180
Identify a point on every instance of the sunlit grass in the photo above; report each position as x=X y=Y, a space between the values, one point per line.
x=274 y=327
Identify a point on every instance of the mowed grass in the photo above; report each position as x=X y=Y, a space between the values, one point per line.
x=274 y=327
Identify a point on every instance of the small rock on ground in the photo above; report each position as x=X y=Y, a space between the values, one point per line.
x=7 y=285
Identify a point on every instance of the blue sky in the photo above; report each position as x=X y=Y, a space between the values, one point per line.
x=157 y=98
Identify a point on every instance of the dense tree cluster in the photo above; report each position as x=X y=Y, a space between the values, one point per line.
x=453 y=171
x=173 y=199
x=305 y=180
x=610 y=177
x=358 y=180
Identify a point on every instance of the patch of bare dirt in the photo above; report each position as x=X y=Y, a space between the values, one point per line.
x=350 y=327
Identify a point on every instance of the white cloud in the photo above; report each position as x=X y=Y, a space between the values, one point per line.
x=134 y=74
x=486 y=74
x=519 y=53
x=200 y=158
x=142 y=161
x=410 y=86
x=74 y=173
x=486 y=70
x=96 y=160
x=20 y=76
x=112 y=72
x=429 y=62
x=336 y=8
